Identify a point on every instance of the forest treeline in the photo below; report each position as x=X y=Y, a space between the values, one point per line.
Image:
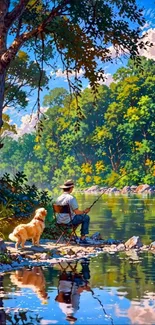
x=116 y=135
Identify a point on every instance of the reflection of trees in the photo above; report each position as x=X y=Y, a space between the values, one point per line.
x=2 y=312
x=24 y=318
x=51 y=275
x=120 y=270
x=121 y=217
x=34 y=277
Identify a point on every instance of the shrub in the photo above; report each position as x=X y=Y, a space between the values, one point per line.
x=19 y=199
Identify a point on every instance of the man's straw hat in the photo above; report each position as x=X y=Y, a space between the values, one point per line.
x=68 y=184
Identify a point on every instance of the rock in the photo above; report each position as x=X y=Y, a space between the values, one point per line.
x=103 y=189
x=51 y=254
x=44 y=256
x=133 y=242
x=152 y=245
x=121 y=247
x=151 y=190
x=93 y=188
x=132 y=254
x=96 y=236
x=15 y=264
x=3 y=248
x=126 y=190
x=38 y=249
x=112 y=190
x=145 y=248
x=111 y=241
x=133 y=188
x=143 y=188
x=105 y=249
x=113 y=247
x=29 y=256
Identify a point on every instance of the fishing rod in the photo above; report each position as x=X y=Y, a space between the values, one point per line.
x=106 y=189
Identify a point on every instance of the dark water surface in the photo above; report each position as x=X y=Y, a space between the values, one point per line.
x=107 y=289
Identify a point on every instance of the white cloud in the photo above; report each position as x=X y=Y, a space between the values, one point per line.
x=116 y=52
x=63 y=74
x=149 y=35
x=113 y=52
x=6 y=109
x=28 y=123
x=140 y=313
x=9 y=109
x=150 y=52
x=107 y=81
x=146 y=25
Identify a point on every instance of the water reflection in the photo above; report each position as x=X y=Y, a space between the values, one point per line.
x=33 y=279
x=2 y=312
x=141 y=313
x=71 y=285
x=122 y=217
x=106 y=290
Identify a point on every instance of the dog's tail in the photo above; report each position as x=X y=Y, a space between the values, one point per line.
x=13 y=237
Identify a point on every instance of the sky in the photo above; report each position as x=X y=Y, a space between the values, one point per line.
x=25 y=123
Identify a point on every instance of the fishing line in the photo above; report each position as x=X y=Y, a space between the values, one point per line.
x=107 y=315
x=100 y=302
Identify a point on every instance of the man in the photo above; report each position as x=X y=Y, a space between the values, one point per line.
x=77 y=216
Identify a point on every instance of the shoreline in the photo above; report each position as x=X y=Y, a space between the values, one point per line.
x=48 y=253
x=129 y=190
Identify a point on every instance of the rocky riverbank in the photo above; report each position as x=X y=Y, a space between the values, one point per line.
x=140 y=189
x=48 y=253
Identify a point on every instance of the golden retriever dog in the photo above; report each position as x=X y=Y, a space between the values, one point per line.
x=33 y=279
x=32 y=230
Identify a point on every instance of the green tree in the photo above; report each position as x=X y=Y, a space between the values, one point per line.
x=21 y=79
x=76 y=30
x=6 y=129
x=109 y=138
x=116 y=135
x=10 y=156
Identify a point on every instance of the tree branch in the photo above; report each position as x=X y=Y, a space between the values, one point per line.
x=15 y=13
x=11 y=52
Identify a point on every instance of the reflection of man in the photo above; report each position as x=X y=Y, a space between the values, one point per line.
x=71 y=285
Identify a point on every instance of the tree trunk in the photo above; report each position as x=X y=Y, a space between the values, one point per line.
x=4 y=4
x=111 y=157
x=2 y=88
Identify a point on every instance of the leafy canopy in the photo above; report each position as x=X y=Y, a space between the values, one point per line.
x=82 y=34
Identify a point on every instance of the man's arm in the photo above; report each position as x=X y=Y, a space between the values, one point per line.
x=74 y=206
x=77 y=211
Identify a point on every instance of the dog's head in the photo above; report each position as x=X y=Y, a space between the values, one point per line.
x=41 y=213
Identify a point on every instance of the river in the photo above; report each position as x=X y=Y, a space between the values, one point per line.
x=116 y=289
